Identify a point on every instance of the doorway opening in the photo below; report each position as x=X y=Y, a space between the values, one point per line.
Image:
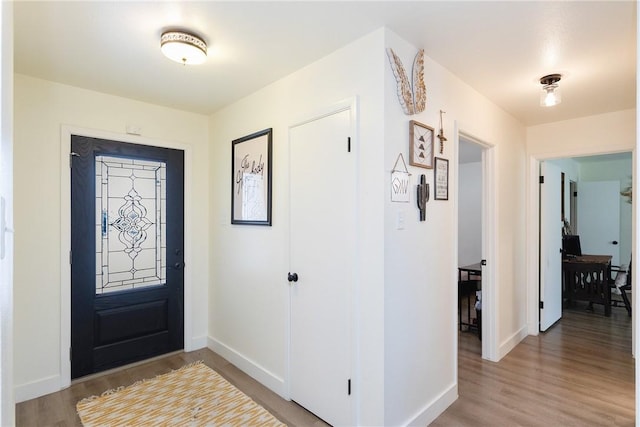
x=470 y=184
x=475 y=200
x=65 y=231
x=617 y=329
x=583 y=214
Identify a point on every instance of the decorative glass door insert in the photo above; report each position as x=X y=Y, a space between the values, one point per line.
x=130 y=223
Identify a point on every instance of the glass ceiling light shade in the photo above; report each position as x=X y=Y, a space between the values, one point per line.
x=550 y=95
x=184 y=48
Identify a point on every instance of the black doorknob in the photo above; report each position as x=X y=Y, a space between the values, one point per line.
x=178 y=265
x=292 y=277
x=615 y=242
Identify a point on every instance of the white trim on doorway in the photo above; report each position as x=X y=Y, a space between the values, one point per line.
x=491 y=349
x=65 y=238
x=533 y=243
x=533 y=228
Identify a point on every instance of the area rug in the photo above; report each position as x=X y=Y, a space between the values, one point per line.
x=193 y=395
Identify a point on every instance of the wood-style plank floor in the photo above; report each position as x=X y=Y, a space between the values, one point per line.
x=58 y=409
x=579 y=373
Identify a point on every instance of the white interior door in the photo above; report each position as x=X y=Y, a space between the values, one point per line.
x=550 y=246
x=599 y=219
x=323 y=257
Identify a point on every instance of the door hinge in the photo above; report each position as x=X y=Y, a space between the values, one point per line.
x=70 y=353
x=541 y=305
x=70 y=257
x=71 y=156
x=542 y=180
x=348 y=144
x=575 y=194
x=349 y=387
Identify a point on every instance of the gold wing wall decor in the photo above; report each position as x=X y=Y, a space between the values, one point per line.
x=412 y=97
x=419 y=89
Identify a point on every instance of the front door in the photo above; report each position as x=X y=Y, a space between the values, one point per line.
x=323 y=230
x=127 y=214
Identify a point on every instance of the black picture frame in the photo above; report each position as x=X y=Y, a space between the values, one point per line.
x=251 y=178
x=441 y=178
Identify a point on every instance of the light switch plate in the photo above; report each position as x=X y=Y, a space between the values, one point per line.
x=400 y=220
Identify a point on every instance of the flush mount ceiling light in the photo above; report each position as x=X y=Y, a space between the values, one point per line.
x=550 y=95
x=184 y=48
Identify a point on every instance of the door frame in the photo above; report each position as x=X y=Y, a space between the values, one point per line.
x=351 y=105
x=490 y=307
x=533 y=237
x=65 y=234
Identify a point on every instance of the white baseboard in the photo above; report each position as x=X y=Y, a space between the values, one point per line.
x=37 y=388
x=197 y=343
x=436 y=407
x=248 y=366
x=53 y=383
x=509 y=344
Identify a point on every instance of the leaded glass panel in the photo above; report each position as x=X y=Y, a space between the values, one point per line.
x=130 y=223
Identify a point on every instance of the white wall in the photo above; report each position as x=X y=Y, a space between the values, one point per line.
x=41 y=108
x=406 y=365
x=469 y=213
x=249 y=297
x=420 y=269
x=7 y=407
x=604 y=133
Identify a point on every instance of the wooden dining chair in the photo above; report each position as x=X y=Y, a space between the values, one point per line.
x=621 y=280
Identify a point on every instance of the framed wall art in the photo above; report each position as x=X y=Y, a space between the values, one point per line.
x=251 y=179
x=441 y=179
x=420 y=145
x=400 y=181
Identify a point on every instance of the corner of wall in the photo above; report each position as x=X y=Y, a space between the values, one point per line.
x=509 y=344
x=436 y=407
x=253 y=369
x=37 y=388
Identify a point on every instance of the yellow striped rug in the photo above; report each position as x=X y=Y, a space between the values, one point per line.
x=194 y=395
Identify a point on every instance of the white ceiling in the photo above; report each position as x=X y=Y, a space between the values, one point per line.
x=499 y=48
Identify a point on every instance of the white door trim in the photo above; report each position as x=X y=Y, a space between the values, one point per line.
x=490 y=345
x=349 y=104
x=533 y=233
x=65 y=234
x=533 y=243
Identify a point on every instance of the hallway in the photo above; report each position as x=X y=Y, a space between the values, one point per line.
x=579 y=373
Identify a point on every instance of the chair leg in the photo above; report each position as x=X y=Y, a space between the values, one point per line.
x=459 y=308
x=625 y=298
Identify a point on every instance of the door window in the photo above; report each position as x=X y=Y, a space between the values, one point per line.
x=130 y=223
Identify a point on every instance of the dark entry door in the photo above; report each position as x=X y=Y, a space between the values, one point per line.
x=127 y=244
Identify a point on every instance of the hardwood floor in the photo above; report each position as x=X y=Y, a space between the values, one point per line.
x=579 y=373
x=58 y=409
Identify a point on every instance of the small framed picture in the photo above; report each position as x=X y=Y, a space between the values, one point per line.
x=251 y=179
x=441 y=179
x=420 y=145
